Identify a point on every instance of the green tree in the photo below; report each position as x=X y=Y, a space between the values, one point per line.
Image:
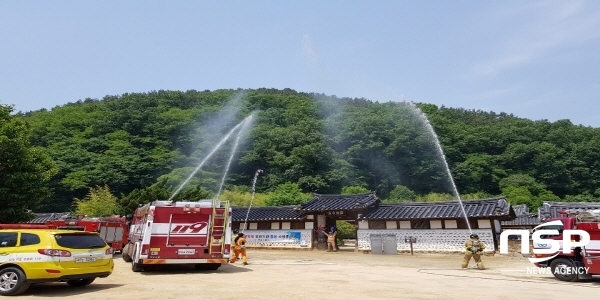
x=99 y=202
x=433 y=197
x=287 y=194
x=524 y=189
x=25 y=170
x=238 y=196
x=354 y=189
x=345 y=231
x=401 y=194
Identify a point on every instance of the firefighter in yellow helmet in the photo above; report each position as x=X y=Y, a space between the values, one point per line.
x=240 y=247
x=474 y=248
x=236 y=251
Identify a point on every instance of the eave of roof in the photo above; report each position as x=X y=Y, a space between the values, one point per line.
x=494 y=208
x=327 y=202
x=266 y=213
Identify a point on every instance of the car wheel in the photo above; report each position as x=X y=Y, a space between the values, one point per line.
x=563 y=268
x=12 y=282
x=81 y=282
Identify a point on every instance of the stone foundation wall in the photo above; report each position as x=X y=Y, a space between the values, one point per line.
x=428 y=240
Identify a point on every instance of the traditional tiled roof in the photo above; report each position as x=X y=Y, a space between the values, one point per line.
x=339 y=202
x=524 y=217
x=495 y=208
x=553 y=209
x=266 y=213
x=521 y=209
x=42 y=218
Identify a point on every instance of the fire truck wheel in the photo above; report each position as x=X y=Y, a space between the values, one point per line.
x=563 y=268
x=80 y=282
x=136 y=267
x=125 y=254
x=12 y=281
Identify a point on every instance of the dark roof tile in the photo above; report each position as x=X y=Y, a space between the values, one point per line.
x=339 y=202
x=266 y=213
x=496 y=208
x=524 y=217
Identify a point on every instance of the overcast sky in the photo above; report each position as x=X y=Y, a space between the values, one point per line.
x=534 y=59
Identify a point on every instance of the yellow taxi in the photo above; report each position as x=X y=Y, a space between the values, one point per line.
x=30 y=255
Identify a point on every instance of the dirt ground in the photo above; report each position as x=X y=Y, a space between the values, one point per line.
x=288 y=274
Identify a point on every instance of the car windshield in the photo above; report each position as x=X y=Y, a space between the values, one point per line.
x=79 y=240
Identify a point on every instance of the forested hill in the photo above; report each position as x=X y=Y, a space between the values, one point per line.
x=142 y=146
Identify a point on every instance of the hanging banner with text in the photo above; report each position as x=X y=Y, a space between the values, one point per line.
x=292 y=238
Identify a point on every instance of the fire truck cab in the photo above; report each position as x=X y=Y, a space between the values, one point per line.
x=582 y=262
x=185 y=232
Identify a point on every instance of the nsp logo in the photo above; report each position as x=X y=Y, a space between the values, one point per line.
x=184 y=229
x=540 y=245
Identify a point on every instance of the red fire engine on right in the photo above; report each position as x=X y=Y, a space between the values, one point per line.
x=583 y=261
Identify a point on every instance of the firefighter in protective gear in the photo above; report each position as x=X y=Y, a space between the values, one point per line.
x=474 y=248
x=235 y=252
x=331 y=241
x=240 y=247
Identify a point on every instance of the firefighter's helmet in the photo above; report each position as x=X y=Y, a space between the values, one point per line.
x=474 y=236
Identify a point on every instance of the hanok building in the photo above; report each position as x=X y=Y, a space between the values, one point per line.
x=298 y=226
x=524 y=220
x=434 y=226
x=437 y=226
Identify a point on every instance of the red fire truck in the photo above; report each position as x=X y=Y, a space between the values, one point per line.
x=186 y=232
x=583 y=261
x=114 y=230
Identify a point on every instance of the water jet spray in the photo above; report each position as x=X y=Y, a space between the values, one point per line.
x=252 y=198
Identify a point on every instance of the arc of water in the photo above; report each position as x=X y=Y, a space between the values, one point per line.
x=252 y=198
x=207 y=157
x=443 y=156
x=234 y=148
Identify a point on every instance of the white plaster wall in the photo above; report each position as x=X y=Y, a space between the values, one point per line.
x=484 y=223
x=449 y=224
x=435 y=224
x=286 y=225
x=440 y=240
x=363 y=225
x=274 y=225
x=404 y=225
x=390 y=225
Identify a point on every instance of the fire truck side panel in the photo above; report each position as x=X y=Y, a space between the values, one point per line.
x=179 y=235
x=591 y=257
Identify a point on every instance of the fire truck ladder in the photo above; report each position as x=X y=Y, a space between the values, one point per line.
x=219 y=224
